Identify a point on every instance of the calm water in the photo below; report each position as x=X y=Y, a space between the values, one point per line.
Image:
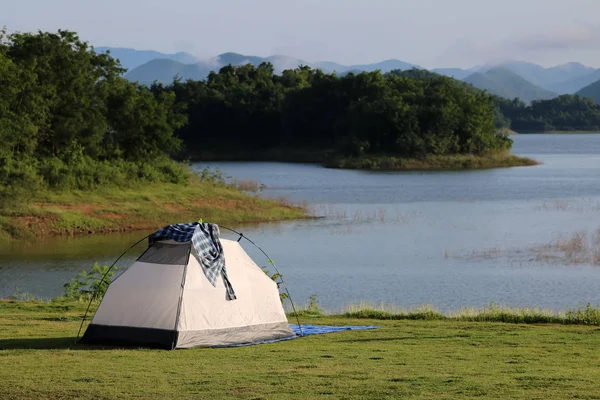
x=449 y=239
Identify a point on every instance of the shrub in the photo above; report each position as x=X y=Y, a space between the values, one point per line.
x=86 y=284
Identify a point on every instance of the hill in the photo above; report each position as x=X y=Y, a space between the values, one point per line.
x=456 y=73
x=132 y=58
x=505 y=83
x=164 y=70
x=384 y=66
x=547 y=77
x=576 y=84
x=562 y=79
x=592 y=91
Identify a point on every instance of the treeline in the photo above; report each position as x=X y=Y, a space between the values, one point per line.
x=251 y=109
x=563 y=113
x=68 y=119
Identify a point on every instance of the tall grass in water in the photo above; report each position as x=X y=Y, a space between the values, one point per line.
x=248 y=185
x=581 y=316
x=380 y=214
x=580 y=247
x=580 y=205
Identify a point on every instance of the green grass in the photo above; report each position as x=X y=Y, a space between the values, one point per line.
x=451 y=162
x=144 y=206
x=588 y=315
x=413 y=359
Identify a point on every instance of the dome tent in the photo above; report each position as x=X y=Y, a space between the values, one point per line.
x=171 y=298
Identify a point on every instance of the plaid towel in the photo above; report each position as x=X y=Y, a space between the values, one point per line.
x=205 y=239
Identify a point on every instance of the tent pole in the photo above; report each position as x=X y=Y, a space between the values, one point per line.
x=101 y=281
x=276 y=270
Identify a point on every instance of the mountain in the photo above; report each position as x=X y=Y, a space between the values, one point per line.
x=575 y=84
x=456 y=73
x=547 y=78
x=535 y=80
x=592 y=91
x=164 y=70
x=132 y=58
x=384 y=66
x=237 y=59
x=330 y=67
x=503 y=82
x=280 y=63
x=161 y=70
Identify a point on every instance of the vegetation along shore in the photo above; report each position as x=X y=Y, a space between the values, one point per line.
x=84 y=150
x=408 y=115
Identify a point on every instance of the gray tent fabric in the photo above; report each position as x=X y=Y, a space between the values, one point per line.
x=165 y=300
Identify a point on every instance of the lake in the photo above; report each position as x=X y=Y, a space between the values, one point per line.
x=450 y=239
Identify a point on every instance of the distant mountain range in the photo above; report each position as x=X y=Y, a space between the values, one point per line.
x=592 y=91
x=521 y=79
x=503 y=82
x=132 y=58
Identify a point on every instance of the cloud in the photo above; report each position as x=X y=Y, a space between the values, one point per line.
x=557 y=43
x=561 y=38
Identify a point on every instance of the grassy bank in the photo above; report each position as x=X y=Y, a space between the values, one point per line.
x=373 y=162
x=143 y=206
x=452 y=162
x=442 y=359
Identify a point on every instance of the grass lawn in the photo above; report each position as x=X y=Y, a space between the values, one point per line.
x=445 y=359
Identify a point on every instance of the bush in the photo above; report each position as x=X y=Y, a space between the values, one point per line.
x=86 y=284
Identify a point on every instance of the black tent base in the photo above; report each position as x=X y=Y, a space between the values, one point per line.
x=129 y=336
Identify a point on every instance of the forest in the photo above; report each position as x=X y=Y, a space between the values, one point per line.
x=252 y=109
x=563 y=113
x=69 y=120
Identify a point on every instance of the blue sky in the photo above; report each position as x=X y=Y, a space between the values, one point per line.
x=430 y=33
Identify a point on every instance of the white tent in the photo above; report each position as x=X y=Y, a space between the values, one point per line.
x=165 y=300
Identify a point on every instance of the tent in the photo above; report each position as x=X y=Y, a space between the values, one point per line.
x=169 y=299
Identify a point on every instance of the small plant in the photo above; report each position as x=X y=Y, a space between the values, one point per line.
x=277 y=278
x=84 y=285
x=19 y=295
x=207 y=175
x=313 y=305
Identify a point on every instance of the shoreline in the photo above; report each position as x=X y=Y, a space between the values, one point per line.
x=150 y=206
x=382 y=162
x=560 y=133
x=153 y=205
x=435 y=163
x=583 y=315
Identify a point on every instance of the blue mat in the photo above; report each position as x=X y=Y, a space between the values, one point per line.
x=309 y=330
x=321 y=329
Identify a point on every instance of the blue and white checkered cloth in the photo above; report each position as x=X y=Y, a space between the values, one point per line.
x=205 y=239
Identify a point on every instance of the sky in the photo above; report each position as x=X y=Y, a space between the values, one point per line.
x=428 y=33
